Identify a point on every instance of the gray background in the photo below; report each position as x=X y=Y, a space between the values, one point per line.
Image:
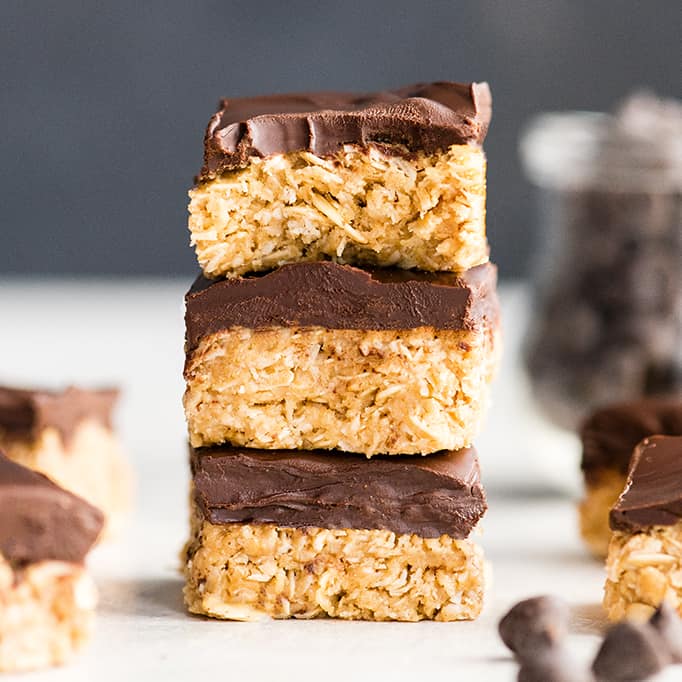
x=103 y=104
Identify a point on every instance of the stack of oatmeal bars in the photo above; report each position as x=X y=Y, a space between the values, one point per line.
x=339 y=347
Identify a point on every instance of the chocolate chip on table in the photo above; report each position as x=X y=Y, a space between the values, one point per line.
x=668 y=624
x=630 y=652
x=534 y=626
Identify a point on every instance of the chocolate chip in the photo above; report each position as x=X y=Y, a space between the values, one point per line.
x=533 y=626
x=630 y=652
x=668 y=624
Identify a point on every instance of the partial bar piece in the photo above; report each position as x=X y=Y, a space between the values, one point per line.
x=644 y=562
x=609 y=436
x=67 y=435
x=47 y=599
x=306 y=534
x=326 y=356
x=393 y=178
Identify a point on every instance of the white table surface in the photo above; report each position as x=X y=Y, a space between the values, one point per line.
x=130 y=333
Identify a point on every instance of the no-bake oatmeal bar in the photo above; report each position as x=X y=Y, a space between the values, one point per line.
x=283 y=534
x=393 y=178
x=47 y=599
x=327 y=356
x=68 y=436
x=609 y=437
x=644 y=562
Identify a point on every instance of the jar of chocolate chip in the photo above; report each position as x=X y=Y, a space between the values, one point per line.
x=606 y=314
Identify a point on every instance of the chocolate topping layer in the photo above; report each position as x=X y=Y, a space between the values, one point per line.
x=610 y=434
x=325 y=294
x=653 y=492
x=426 y=116
x=25 y=413
x=431 y=496
x=41 y=521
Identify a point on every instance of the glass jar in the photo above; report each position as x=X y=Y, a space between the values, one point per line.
x=606 y=315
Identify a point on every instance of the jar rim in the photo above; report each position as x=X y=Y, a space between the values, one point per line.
x=581 y=149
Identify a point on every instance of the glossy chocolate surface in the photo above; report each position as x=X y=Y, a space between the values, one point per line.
x=431 y=496
x=24 y=413
x=40 y=521
x=653 y=492
x=423 y=117
x=610 y=434
x=333 y=296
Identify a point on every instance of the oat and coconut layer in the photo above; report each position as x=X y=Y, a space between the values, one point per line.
x=46 y=614
x=362 y=207
x=249 y=572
